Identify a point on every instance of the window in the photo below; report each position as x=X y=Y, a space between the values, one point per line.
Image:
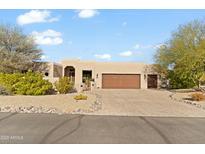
x=46 y=74
x=87 y=75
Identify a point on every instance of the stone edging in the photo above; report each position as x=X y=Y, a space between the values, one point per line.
x=29 y=109
x=97 y=105
x=186 y=101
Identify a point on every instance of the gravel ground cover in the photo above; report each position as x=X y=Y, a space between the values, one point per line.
x=60 y=104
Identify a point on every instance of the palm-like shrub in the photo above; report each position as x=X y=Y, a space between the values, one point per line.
x=64 y=85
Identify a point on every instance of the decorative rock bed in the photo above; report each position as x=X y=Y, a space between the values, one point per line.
x=97 y=105
x=29 y=109
x=193 y=103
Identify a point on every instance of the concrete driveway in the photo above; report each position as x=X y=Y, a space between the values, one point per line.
x=144 y=103
x=53 y=128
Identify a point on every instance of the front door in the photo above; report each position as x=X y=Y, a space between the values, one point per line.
x=152 y=81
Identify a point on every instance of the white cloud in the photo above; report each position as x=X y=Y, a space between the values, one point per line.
x=137 y=46
x=126 y=54
x=87 y=13
x=43 y=57
x=124 y=24
x=103 y=56
x=36 y=16
x=48 y=37
x=158 y=46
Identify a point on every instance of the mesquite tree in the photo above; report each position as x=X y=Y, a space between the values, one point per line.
x=18 y=52
x=183 y=56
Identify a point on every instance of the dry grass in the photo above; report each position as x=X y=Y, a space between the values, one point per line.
x=197 y=96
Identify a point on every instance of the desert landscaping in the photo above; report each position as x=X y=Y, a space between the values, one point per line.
x=60 y=104
x=186 y=96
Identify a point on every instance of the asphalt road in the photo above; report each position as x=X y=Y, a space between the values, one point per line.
x=51 y=128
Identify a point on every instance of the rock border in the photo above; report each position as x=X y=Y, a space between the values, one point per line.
x=96 y=106
x=29 y=109
x=193 y=103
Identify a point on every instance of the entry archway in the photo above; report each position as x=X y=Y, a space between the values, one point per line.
x=69 y=71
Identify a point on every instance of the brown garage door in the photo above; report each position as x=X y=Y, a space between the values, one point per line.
x=121 y=81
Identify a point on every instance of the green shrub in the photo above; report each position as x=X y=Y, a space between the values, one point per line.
x=198 y=97
x=4 y=91
x=26 y=84
x=177 y=82
x=33 y=84
x=8 y=81
x=64 y=85
x=202 y=80
x=80 y=97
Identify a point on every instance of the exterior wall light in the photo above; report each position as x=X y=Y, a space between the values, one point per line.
x=145 y=76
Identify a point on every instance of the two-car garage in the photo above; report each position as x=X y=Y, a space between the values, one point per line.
x=90 y=75
x=121 y=81
x=126 y=81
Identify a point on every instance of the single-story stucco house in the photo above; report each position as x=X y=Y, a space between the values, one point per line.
x=105 y=75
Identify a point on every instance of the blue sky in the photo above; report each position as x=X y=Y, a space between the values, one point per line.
x=101 y=35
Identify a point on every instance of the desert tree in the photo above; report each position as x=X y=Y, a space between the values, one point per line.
x=183 y=56
x=18 y=52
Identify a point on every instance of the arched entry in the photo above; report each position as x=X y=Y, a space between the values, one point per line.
x=69 y=71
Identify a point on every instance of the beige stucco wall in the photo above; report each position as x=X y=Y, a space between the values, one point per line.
x=98 y=68
x=120 y=68
x=54 y=71
x=57 y=70
x=79 y=67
